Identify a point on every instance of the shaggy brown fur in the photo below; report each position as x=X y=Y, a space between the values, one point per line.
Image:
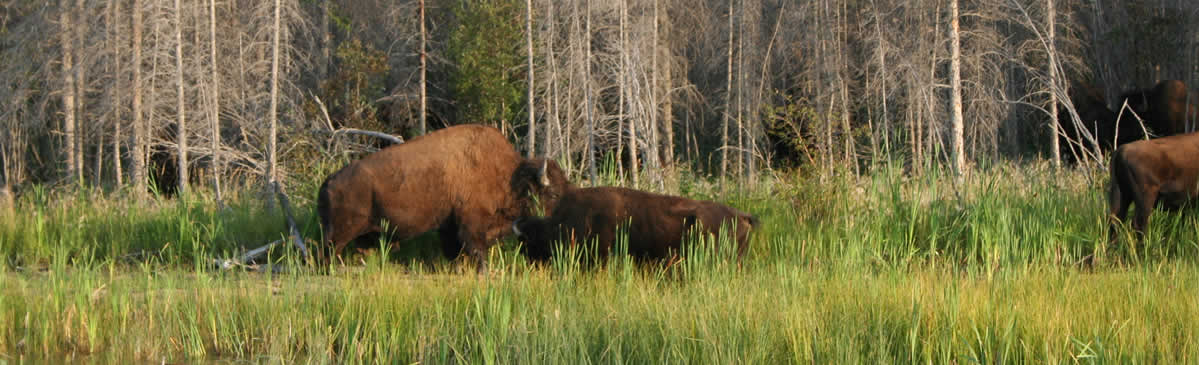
x=1161 y=171
x=459 y=180
x=656 y=224
x=1165 y=107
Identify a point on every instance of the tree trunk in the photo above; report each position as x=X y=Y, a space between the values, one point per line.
x=68 y=91
x=327 y=39
x=532 y=137
x=1054 y=148
x=728 y=103
x=181 y=122
x=590 y=149
x=955 y=74
x=215 y=118
x=113 y=22
x=424 y=101
x=626 y=89
x=138 y=171
x=272 y=114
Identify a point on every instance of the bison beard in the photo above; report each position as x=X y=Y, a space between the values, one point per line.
x=656 y=224
x=459 y=180
x=1161 y=171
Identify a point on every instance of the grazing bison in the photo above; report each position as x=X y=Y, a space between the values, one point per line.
x=458 y=180
x=1166 y=108
x=1147 y=173
x=656 y=223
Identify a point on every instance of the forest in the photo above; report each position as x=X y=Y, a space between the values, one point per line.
x=114 y=93
x=929 y=179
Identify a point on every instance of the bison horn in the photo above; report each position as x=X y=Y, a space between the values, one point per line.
x=515 y=228
x=545 y=180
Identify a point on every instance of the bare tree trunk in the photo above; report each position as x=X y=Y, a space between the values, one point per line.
x=272 y=160
x=741 y=165
x=532 y=137
x=68 y=91
x=113 y=22
x=424 y=101
x=327 y=39
x=625 y=87
x=652 y=155
x=215 y=118
x=1055 y=149
x=138 y=172
x=955 y=74
x=728 y=102
x=590 y=150
x=181 y=122
x=667 y=104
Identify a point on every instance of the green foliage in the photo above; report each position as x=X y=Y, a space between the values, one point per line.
x=485 y=47
x=350 y=93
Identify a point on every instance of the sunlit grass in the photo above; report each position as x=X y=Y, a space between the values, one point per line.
x=879 y=269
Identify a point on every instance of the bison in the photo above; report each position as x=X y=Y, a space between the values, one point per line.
x=1166 y=108
x=459 y=180
x=1161 y=171
x=656 y=223
x=1097 y=120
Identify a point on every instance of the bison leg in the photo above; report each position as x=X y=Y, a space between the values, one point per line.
x=1118 y=203
x=451 y=246
x=1144 y=206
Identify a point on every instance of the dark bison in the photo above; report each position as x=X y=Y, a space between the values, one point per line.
x=656 y=224
x=458 y=180
x=1097 y=120
x=1161 y=171
x=1166 y=108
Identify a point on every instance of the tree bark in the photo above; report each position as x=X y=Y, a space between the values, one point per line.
x=68 y=90
x=590 y=149
x=728 y=102
x=138 y=171
x=114 y=33
x=532 y=137
x=272 y=160
x=955 y=74
x=626 y=72
x=1055 y=149
x=181 y=122
x=424 y=101
x=215 y=117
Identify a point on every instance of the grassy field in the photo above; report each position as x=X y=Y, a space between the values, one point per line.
x=879 y=269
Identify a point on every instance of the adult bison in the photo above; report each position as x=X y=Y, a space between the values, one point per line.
x=1097 y=121
x=1166 y=108
x=458 y=180
x=1147 y=173
x=656 y=224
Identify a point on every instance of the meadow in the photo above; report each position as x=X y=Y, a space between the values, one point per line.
x=884 y=268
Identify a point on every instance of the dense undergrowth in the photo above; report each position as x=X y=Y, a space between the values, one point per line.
x=881 y=268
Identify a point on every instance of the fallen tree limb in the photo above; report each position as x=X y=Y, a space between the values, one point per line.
x=291 y=220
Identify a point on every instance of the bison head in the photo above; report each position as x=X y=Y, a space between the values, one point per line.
x=534 y=233
x=539 y=180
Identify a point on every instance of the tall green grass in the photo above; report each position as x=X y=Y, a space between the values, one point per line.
x=886 y=268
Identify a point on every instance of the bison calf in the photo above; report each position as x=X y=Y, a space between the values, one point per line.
x=1157 y=171
x=656 y=224
x=458 y=180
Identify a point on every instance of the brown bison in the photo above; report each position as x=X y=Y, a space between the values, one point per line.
x=458 y=180
x=1147 y=173
x=656 y=224
x=1166 y=108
